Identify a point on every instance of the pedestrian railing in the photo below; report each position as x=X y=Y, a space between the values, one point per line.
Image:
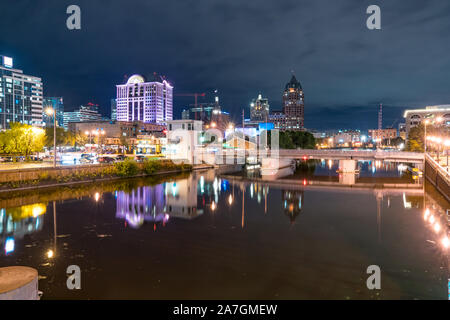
x=436 y=166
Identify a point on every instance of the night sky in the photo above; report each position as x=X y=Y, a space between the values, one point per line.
x=241 y=48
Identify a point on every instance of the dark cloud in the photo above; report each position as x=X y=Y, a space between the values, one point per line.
x=242 y=48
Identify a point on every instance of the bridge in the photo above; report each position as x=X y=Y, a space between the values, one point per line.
x=393 y=156
x=230 y=156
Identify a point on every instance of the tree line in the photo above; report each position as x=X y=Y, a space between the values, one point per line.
x=25 y=140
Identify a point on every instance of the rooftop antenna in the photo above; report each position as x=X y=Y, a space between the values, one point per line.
x=380 y=117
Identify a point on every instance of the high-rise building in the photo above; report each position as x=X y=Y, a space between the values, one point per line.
x=148 y=101
x=20 y=96
x=55 y=103
x=293 y=105
x=113 y=109
x=86 y=113
x=259 y=109
x=210 y=113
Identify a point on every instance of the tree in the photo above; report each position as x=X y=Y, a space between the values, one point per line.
x=416 y=139
x=297 y=139
x=33 y=140
x=22 y=139
x=123 y=143
x=394 y=142
x=63 y=138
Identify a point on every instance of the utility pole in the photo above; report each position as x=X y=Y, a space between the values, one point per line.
x=54 y=138
x=243 y=133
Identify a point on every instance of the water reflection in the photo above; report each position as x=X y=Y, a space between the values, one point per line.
x=292 y=201
x=17 y=222
x=263 y=237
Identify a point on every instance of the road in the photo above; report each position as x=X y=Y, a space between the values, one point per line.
x=28 y=165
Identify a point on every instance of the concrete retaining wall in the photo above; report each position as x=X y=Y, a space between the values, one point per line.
x=437 y=176
x=35 y=173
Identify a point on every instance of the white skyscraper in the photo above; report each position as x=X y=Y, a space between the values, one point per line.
x=147 y=101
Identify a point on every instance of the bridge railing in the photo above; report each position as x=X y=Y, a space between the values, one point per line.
x=436 y=166
x=355 y=153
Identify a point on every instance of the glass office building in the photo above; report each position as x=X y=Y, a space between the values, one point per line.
x=55 y=103
x=20 y=96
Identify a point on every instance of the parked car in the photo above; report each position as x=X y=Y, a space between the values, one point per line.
x=140 y=158
x=86 y=160
x=105 y=160
x=120 y=157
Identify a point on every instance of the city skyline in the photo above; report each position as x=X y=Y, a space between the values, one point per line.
x=340 y=63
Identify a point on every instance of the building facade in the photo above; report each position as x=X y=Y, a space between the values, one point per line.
x=293 y=105
x=432 y=113
x=114 y=131
x=21 y=96
x=259 y=109
x=183 y=138
x=147 y=101
x=57 y=104
x=113 y=109
x=278 y=119
x=382 y=134
x=86 y=113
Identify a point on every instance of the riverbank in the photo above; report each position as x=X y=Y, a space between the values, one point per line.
x=35 y=179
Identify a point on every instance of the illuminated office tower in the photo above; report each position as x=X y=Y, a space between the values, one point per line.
x=20 y=96
x=55 y=103
x=149 y=101
x=293 y=105
x=259 y=109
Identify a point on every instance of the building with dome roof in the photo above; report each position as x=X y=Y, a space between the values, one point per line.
x=293 y=105
x=149 y=100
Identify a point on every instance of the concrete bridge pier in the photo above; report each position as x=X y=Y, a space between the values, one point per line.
x=19 y=283
x=347 y=166
x=347 y=172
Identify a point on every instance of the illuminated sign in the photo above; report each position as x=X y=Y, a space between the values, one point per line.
x=7 y=62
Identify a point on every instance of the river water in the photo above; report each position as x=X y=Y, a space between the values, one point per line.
x=311 y=234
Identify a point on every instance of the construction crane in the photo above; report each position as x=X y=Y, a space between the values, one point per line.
x=195 y=95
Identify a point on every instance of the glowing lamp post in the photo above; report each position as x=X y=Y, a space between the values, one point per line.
x=447 y=145
x=425 y=137
x=51 y=112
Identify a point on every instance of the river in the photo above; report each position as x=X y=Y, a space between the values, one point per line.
x=308 y=235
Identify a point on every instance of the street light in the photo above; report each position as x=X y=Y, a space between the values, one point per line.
x=447 y=144
x=425 y=137
x=50 y=111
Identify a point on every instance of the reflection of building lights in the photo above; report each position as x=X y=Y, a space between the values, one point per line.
x=445 y=242
x=50 y=254
x=97 y=196
x=426 y=214
x=437 y=227
x=9 y=245
x=213 y=206
x=174 y=190
x=230 y=200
